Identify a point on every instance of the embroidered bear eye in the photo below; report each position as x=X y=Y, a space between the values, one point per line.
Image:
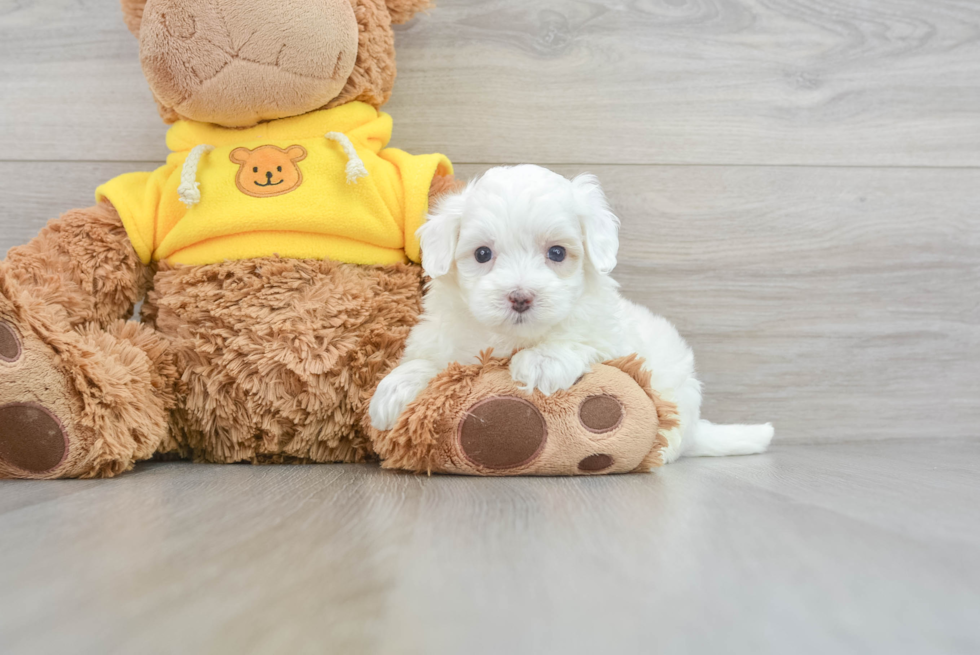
x=556 y=254
x=255 y=170
x=483 y=254
x=279 y=168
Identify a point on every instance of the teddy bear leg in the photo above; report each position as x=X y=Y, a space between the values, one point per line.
x=83 y=393
x=474 y=420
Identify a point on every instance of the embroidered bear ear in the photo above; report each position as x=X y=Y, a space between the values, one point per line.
x=241 y=155
x=402 y=11
x=133 y=15
x=295 y=153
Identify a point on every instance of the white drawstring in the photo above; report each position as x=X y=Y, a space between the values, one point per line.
x=190 y=189
x=355 y=167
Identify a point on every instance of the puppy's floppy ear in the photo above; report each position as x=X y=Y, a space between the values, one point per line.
x=133 y=15
x=599 y=224
x=440 y=234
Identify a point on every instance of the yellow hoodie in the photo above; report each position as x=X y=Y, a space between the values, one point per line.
x=318 y=186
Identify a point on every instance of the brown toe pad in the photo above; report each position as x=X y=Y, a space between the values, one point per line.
x=595 y=463
x=502 y=433
x=31 y=438
x=601 y=414
x=10 y=348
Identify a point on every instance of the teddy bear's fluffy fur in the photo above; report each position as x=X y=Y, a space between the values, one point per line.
x=281 y=356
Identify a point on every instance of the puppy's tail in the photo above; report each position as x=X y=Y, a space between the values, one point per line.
x=711 y=440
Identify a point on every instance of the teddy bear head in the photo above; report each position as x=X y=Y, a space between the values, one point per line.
x=237 y=63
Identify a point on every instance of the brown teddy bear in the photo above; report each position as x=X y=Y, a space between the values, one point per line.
x=277 y=255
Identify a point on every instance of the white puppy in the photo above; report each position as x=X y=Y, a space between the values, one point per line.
x=520 y=259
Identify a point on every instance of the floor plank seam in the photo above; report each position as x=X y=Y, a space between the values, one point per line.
x=559 y=164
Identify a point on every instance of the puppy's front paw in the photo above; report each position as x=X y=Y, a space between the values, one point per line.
x=547 y=371
x=395 y=393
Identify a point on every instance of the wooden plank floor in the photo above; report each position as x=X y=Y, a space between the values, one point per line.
x=848 y=548
x=799 y=184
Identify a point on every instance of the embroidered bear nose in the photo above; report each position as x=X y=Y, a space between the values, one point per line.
x=268 y=175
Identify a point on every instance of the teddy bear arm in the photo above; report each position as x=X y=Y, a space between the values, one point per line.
x=443 y=185
x=82 y=264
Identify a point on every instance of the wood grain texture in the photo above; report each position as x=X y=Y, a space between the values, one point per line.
x=880 y=82
x=840 y=304
x=851 y=548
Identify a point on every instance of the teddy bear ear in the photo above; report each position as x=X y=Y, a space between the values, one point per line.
x=402 y=10
x=133 y=15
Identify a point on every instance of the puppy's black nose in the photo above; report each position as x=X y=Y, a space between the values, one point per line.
x=268 y=175
x=520 y=301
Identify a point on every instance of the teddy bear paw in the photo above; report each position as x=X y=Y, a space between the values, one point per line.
x=33 y=439
x=475 y=420
x=512 y=436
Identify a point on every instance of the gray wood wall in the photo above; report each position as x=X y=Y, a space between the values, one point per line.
x=799 y=181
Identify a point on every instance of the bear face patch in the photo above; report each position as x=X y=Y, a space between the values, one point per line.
x=268 y=171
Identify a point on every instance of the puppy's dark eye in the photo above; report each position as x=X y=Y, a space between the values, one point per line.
x=483 y=254
x=279 y=168
x=255 y=170
x=556 y=254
